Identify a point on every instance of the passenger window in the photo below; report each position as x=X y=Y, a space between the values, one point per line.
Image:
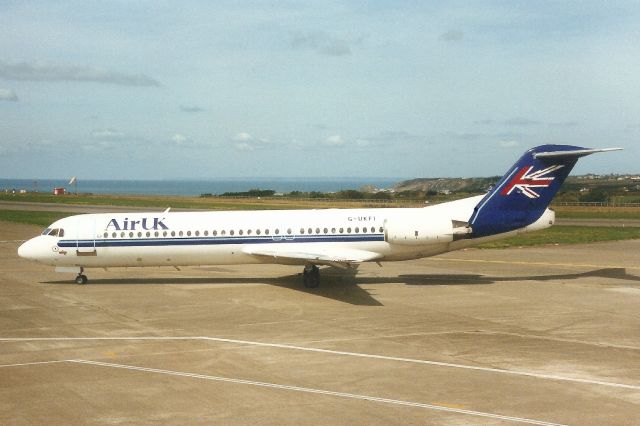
x=325 y=230
x=139 y=234
x=214 y=233
x=248 y=231
x=277 y=231
x=206 y=233
x=122 y=235
x=317 y=230
x=164 y=234
x=257 y=231
x=333 y=230
x=148 y=234
x=289 y=231
x=106 y=235
x=310 y=231
x=188 y=233
x=357 y=229
x=180 y=233
x=173 y=233
x=341 y=230
x=381 y=229
x=114 y=235
x=301 y=230
x=223 y=232
x=231 y=232
x=197 y=233
x=156 y=233
x=240 y=232
x=348 y=230
x=266 y=231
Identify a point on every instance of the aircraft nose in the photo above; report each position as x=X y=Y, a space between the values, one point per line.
x=28 y=250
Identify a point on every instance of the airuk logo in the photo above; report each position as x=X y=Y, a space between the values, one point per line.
x=148 y=224
x=525 y=179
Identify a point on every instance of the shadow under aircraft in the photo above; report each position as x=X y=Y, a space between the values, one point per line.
x=346 y=287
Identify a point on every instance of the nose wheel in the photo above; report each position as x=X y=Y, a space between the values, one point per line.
x=81 y=278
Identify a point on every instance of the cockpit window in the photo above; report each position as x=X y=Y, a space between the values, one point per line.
x=55 y=232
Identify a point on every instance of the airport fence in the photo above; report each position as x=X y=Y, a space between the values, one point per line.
x=594 y=204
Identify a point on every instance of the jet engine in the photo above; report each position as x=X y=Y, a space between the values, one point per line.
x=422 y=229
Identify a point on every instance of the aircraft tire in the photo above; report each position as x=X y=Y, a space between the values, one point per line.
x=311 y=277
x=81 y=279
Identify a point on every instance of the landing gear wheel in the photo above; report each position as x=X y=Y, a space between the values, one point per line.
x=311 y=276
x=81 y=279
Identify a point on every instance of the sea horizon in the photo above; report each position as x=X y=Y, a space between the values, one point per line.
x=195 y=187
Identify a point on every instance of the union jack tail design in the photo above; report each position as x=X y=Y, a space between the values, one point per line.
x=525 y=179
x=537 y=177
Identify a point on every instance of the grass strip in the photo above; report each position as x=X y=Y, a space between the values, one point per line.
x=560 y=234
x=31 y=218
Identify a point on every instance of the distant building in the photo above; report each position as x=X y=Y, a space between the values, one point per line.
x=59 y=191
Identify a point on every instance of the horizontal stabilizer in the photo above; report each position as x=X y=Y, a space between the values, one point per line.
x=577 y=153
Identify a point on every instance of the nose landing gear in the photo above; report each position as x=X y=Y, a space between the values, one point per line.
x=311 y=276
x=81 y=278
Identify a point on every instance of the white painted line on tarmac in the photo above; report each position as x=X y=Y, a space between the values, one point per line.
x=12 y=241
x=420 y=361
x=319 y=391
x=33 y=363
x=344 y=353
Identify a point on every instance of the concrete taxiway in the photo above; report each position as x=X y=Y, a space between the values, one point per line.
x=546 y=335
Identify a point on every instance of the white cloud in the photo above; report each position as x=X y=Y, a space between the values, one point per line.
x=243 y=146
x=8 y=95
x=107 y=134
x=179 y=139
x=244 y=141
x=323 y=43
x=242 y=137
x=508 y=144
x=335 y=140
x=521 y=121
x=44 y=71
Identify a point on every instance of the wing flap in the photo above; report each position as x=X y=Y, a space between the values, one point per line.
x=340 y=257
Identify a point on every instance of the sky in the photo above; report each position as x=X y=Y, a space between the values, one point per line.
x=204 y=90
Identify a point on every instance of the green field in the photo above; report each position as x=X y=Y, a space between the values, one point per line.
x=206 y=203
x=31 y=218
x=567 y=235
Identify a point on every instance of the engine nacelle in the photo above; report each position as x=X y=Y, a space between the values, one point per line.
x=419 y=228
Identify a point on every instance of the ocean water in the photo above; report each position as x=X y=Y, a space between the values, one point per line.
x=196 y=187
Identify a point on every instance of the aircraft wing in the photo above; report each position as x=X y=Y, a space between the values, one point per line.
x=340 y=257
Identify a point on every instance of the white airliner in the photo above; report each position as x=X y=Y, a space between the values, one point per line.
x=337 y=237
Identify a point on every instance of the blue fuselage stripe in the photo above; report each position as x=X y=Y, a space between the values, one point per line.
x=207 y=241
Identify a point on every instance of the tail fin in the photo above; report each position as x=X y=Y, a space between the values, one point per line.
x=523 y=194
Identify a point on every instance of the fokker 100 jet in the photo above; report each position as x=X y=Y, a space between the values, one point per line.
x=343 y=238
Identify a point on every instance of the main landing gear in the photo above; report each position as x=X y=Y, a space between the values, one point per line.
x=311 y=276
x=81 y=278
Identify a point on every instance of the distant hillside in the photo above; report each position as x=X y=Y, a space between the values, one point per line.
x=440 y=185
